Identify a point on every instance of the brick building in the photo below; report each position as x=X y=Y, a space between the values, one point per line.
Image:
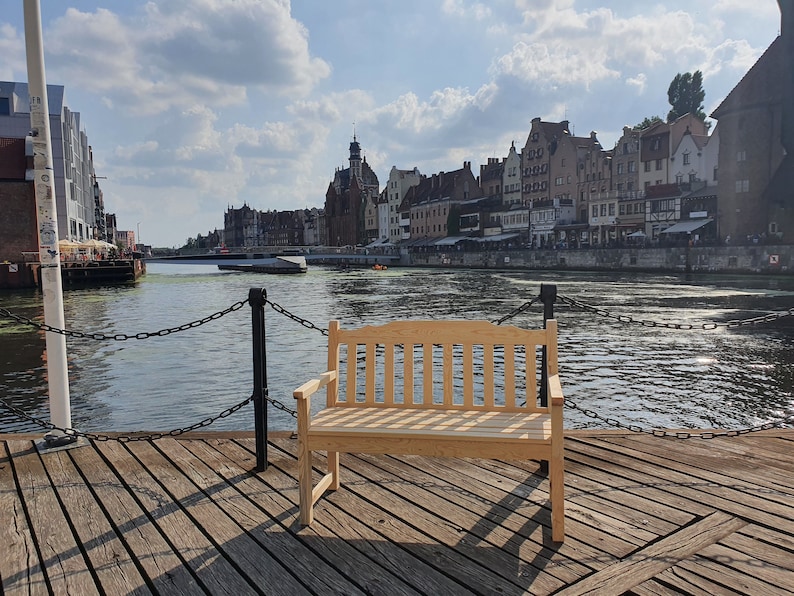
x=18 y=233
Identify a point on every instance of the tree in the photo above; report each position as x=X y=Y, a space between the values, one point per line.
x=647 y=122
x=686 y=95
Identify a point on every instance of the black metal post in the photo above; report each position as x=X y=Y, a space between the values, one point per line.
x=257 y=298
x=548 y=295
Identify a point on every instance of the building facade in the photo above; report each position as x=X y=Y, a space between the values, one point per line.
x=75 y=181
x=346 y=201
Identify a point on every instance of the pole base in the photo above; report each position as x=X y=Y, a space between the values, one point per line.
x=56 y=440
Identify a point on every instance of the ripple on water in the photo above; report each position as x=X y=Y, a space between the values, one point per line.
x=641 y=375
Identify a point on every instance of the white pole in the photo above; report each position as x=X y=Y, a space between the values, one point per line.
x=47 y=214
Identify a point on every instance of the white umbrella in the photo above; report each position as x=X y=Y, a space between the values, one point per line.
x=637 y=234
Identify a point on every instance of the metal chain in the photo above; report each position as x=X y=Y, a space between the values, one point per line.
x=680 y=326
x=123 y=336
x=302 y=321
x=681 y=434
x=515 y=312
x=127 y=438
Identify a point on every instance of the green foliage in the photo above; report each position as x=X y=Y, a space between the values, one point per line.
x=647 y=122
x=686 y=96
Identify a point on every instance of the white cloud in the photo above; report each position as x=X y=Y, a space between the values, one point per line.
x=556 y=65
x=12 y=50
x=177 y=53
x=639 y=82
x=460 y=9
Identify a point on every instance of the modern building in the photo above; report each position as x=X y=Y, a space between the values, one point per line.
x=75 y=182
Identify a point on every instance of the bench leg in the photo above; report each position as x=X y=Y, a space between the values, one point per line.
x=333 y=469
x=557 y=496
x=305 y=482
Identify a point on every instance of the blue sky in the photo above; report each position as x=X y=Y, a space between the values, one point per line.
x=195 y=105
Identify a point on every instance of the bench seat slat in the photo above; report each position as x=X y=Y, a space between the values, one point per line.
x=436 y=423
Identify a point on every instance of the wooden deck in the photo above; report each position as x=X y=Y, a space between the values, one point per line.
x=184 y=516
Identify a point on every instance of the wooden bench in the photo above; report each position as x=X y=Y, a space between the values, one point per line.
x=434 y=388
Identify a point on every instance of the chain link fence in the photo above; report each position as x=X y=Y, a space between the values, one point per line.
x=571 y=302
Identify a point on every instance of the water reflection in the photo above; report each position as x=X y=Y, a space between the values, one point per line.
x=636 y=374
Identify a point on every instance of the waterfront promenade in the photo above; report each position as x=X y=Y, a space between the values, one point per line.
x=645 y=515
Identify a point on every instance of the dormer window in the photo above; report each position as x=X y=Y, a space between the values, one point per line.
x=686 y=159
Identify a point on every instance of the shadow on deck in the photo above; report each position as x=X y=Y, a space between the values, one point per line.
x=182 y=516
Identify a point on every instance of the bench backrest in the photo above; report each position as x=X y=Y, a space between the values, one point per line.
x=440 y=364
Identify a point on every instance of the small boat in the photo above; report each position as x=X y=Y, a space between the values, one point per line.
x=250 y=262
x=379 y=267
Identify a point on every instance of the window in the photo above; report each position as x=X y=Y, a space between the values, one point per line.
x=647 y=166
x=715 y=173
x=693 y=177
x=595 y=210
x=625 y=148
x=559 y=181
x=5 y=106
x=620 y=168
x=603 y=210
x=686 y=159
x=639 y=207
x=612 y=208
x=742 y=186
x=622 y=210
x=741 y=156
x=562 y=162
x=632 y=167
x=656 y=144
x=679 y=178
x=658 y=164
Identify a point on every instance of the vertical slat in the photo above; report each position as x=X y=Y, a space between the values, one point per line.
x=551 y=343
x=370 y=367
x=408 y=373
x=388 y=374
x=510 y=376
x=448 y=379
x=468 y=375
x=351 y=379
x=488 y=380
x=531 y=357
x=332 y=390
x=427 y=373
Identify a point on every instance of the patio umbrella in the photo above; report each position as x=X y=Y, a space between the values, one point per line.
x=67 y=245
x=637 y=234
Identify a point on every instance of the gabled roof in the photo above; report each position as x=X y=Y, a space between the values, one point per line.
x=761 y=85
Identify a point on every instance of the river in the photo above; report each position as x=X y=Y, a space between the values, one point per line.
x=646 y=376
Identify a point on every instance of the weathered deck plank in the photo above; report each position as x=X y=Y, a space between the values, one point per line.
x=646 y=516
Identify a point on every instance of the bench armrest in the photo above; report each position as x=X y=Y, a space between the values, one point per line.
x=555 y=391
x=306 y=390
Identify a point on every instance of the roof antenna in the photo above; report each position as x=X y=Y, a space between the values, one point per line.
x=354 y=132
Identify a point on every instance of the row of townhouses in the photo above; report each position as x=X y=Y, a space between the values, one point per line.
x=672 y=181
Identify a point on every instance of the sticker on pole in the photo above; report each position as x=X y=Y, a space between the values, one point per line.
x=774 y=259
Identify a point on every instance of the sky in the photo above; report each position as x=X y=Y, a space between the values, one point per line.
x=194 y=106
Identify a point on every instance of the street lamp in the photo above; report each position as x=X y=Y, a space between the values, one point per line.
x=138 y=237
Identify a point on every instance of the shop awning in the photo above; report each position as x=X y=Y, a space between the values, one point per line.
x=497 y=237
x=450 y=240
x=687 y=226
